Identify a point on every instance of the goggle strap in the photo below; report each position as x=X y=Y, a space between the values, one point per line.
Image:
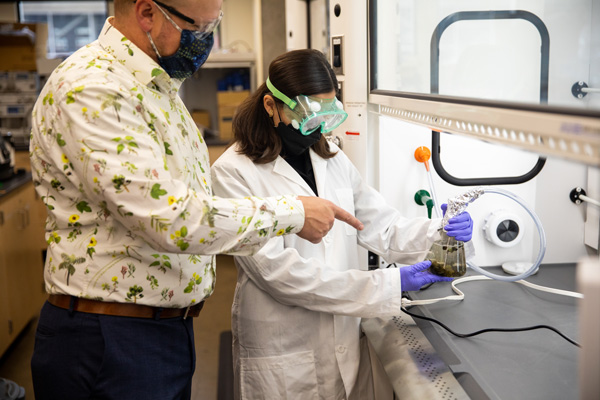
x=290 y=103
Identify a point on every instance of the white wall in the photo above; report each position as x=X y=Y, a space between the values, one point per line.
x=401 y=176
x=237 y=26
x=351 y=25
x=296 y=24
x=319 y=25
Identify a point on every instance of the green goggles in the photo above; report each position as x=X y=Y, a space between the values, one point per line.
x=308 y=113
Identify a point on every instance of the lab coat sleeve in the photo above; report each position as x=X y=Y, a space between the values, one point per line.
x=309 y=283
x=387 y=233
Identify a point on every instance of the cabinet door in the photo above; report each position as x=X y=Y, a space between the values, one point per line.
x=39 y=212
x=5 y=337
x=32 y=250
x=36 y=232
x=21 y=259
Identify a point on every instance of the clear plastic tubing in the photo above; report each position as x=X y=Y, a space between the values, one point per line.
x=422 y=155
x=542 y=236
x=436 y=205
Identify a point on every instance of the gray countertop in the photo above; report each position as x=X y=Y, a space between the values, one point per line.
x=537 y=364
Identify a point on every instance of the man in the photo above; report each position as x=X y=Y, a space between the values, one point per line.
x=132 y=223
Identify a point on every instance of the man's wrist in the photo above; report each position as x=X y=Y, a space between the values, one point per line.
x=288 y=214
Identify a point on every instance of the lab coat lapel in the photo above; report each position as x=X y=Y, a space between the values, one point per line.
x=281 y=167
x=319 y=165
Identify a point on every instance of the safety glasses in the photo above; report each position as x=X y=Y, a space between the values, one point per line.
x=308 y=113
x=205 y=28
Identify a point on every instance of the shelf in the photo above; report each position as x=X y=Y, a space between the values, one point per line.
x=230 y=60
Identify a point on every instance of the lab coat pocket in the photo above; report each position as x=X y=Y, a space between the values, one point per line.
x=291 y=376
x=346 y=201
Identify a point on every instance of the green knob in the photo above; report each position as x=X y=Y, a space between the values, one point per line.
x=422 y=198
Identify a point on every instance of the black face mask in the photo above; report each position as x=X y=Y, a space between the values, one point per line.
x=295 y=143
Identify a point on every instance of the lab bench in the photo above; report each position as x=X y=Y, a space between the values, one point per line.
x=422 y=360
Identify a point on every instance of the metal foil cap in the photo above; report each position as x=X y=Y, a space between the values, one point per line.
x=458 y=204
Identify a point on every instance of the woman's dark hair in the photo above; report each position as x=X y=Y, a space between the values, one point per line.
x=293 y=73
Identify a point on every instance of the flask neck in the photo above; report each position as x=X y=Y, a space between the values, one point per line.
x=449 y=239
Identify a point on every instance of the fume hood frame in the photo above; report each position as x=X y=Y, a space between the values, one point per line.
x=569 y=133
x=435 y=78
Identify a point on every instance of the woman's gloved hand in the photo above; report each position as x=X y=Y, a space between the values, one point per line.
x=413 y=277
x=460 y=226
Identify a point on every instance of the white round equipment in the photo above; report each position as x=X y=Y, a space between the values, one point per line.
x=503 y=228
x=518 y=267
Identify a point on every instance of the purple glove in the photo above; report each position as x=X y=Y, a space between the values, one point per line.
x=413 y=277
x=460 y=226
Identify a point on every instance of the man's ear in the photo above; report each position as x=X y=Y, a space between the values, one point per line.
x=144 y=13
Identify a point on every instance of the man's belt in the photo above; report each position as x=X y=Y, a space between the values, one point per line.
x=122 y=309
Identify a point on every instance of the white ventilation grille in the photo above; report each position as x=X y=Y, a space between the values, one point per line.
x=570 y=137
x=414 y=368
x=429 y=363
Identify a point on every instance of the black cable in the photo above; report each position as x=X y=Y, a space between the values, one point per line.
x=466 y=335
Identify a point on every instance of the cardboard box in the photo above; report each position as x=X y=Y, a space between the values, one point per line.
x=228 y=102
x=226 y=128
x=21 y=45
x=231 y=98
x=201 y=117
x=20 y=58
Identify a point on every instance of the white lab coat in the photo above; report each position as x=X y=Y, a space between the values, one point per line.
x=297 y=305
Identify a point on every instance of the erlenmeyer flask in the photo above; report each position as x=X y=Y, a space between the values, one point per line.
x=447 y=256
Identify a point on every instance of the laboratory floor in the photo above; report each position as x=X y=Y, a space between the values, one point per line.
x=208 y=327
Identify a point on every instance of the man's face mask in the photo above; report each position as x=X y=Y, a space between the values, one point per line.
x=307 y=113
x=194 y=46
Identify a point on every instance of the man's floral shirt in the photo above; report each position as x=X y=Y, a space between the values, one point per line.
x=124 y=174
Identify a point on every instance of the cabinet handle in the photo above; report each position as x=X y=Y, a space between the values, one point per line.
x=1 y=218
x=23 y=214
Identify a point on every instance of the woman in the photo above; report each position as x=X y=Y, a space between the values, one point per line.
x=297 y=306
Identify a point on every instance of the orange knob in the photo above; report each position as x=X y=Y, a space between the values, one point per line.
x=422 y=154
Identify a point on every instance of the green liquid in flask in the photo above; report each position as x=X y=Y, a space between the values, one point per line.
x=447 y=256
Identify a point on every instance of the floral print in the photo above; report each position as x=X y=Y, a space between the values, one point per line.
x=125 y=176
